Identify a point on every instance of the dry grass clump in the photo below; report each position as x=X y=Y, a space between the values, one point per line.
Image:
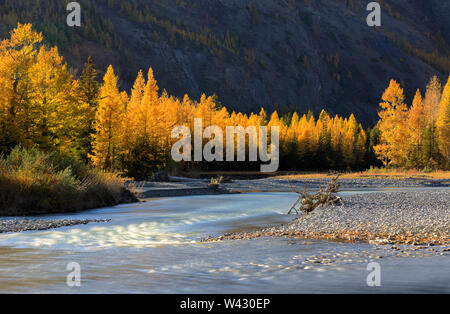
x=33 y=182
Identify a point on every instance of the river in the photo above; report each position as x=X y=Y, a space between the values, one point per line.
x=153 y=247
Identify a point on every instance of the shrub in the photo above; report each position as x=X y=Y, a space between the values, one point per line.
x=33 y=182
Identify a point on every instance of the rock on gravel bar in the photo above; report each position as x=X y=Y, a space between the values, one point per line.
x=20 y=225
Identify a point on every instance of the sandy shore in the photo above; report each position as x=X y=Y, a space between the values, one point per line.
x=414 y=217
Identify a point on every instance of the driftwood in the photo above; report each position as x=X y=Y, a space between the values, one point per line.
x=215 y=183
x=309 y=202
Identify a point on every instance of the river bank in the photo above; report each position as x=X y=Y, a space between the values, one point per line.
x=21 y=225
x=187 y=186
x=33 y=182
x=284 y=184
x=411 y=217
x=358 y=204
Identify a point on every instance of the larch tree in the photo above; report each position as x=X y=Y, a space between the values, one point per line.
x=323 y=138
x=39 y=104
x=153 y=123
x=416 y=126
x=443 y=124
x=17 y=57
x=430 y=147
x=57 y=118
x=348 y=147
x=88 y=86
x=393 y=127
x=88 y=93
x=108 y=123
x=337 y=140
x=432 y=99
x=135 y=122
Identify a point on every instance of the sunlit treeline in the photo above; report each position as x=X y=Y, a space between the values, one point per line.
x=135 y=132
x=43 y=103
x=416 y=136
x=40 y=101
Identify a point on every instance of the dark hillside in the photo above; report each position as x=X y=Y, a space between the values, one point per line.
x=296 y=54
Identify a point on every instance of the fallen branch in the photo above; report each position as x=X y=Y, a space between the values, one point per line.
x=309 y=202
x=215 y=183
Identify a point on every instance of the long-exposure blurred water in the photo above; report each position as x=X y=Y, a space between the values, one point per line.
x=153 y=247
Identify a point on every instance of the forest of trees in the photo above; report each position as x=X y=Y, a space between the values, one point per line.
x=43 y=104
x=418 y=136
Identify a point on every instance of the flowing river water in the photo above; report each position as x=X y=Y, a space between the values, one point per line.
x=153 y=247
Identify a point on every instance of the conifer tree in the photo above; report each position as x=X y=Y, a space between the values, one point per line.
x=430 y=147
x=323 y=138
x=108 y=123
x=416 y=127
x=88 y=92
x=393 y=127
x=57 y=118
x=135 y=123
x=443 y=124
x=89 y=87
x=17 y=56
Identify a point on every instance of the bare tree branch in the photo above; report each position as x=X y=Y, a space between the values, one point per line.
x=309 y=202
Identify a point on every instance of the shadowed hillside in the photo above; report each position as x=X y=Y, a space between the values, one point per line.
x=291 y=55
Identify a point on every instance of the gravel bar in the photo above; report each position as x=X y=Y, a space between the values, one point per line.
x=412 y=217
x=283 y=185
x=20 y=225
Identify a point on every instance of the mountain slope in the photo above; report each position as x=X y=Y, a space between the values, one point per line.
x=296 y=54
